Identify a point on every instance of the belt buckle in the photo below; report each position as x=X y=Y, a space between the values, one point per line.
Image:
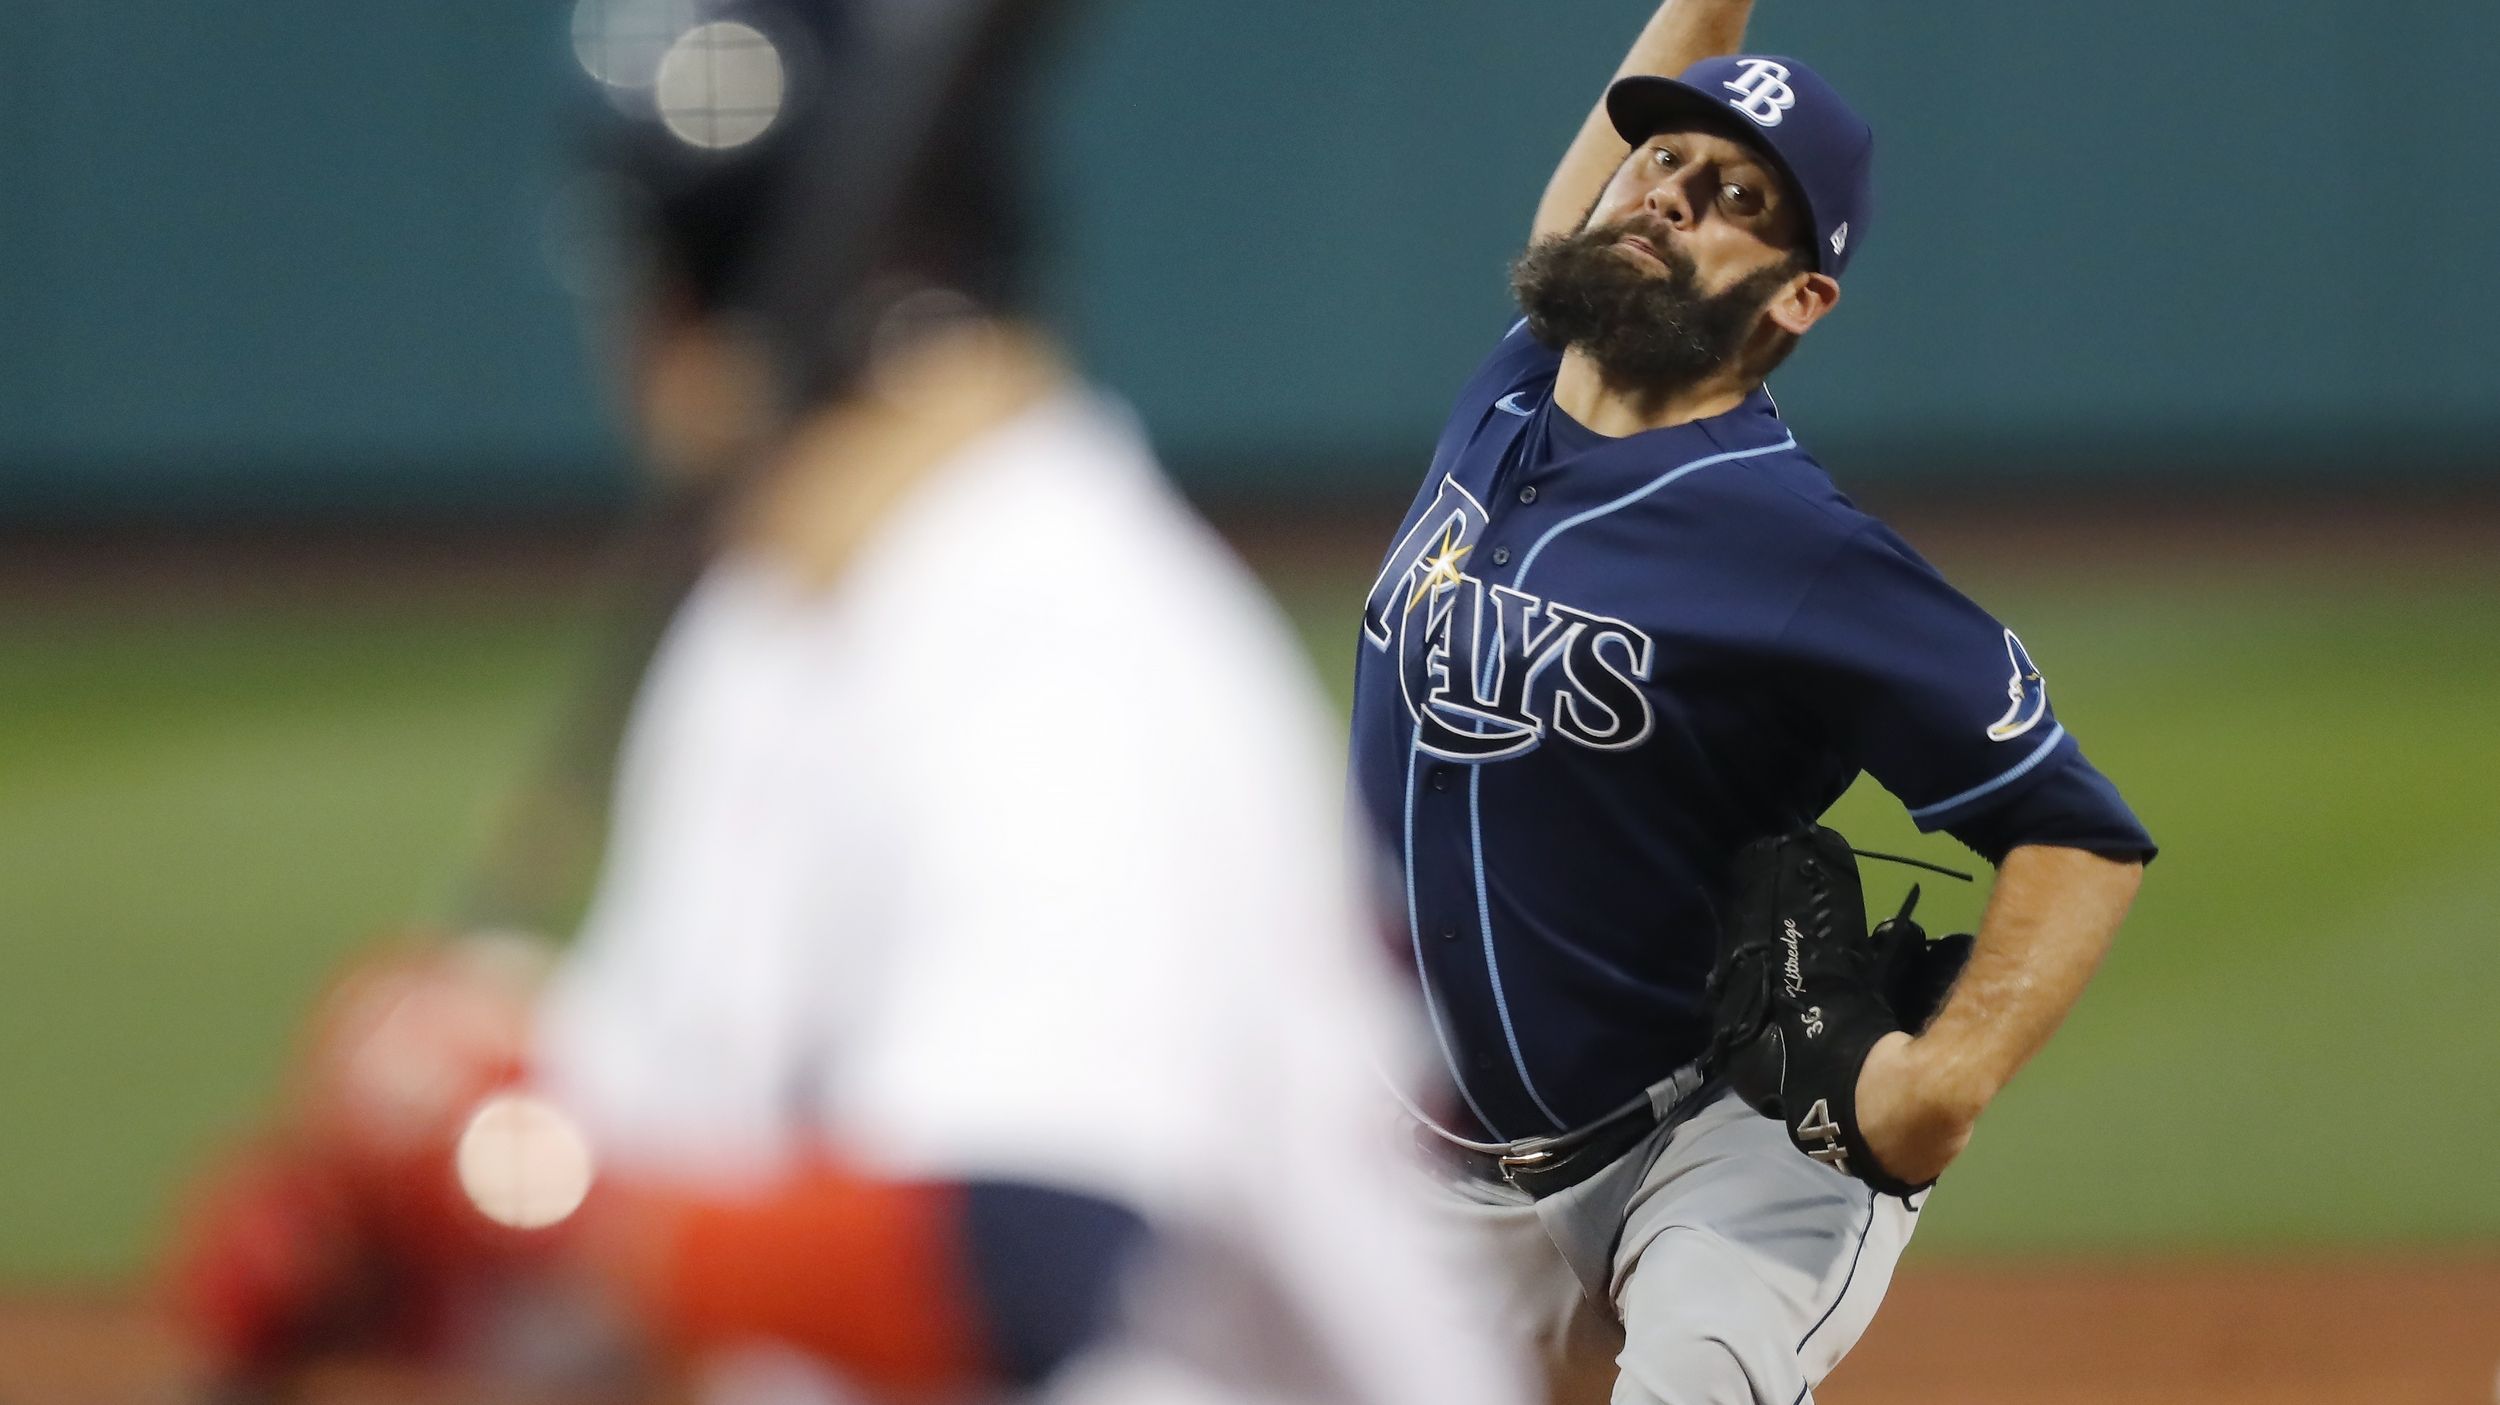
x=1522 y=1158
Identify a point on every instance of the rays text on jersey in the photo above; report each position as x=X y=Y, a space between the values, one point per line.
x=1489 y=670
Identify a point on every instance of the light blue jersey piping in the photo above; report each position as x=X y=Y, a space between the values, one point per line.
x=2012 y=774
x=1636 y=495
x=1492 y=968
x=1475 y=775
x=1415 y=938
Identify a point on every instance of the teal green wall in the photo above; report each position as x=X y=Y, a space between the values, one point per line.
x=286 y=255
x=284 y=252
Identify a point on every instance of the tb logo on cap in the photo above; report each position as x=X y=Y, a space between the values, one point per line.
x=1762 y=91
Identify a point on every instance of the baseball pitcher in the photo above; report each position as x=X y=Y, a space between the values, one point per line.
x=1628 y=643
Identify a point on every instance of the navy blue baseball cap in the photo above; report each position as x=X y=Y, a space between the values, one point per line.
x=1786 y=111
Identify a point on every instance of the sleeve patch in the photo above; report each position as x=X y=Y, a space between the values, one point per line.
x=2027 y=694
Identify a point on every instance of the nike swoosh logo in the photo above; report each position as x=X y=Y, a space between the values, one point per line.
x=1509 y=405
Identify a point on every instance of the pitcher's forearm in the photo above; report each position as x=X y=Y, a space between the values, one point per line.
x=1684 y=32
x=2049 y=922
x=1679 y=35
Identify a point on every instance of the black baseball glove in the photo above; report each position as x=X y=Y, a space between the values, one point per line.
x=1802 y=991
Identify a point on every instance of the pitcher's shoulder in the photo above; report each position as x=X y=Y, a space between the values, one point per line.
x=1519 y=366
x=1782 y=490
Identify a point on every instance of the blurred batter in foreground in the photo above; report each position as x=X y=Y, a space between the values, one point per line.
x=1627 y=630
x=951 y=1018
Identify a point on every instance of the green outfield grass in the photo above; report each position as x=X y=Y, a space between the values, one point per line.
x=2295 y=1043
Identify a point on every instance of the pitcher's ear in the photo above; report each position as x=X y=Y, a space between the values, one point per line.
x=1803 y=302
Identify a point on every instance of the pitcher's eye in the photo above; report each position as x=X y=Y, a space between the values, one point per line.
x=1741 y=200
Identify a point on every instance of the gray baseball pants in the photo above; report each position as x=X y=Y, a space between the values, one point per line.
x=1710 y=1265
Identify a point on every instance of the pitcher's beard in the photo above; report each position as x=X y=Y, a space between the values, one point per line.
x=1658 y=332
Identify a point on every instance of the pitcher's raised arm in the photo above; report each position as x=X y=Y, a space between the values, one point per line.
x=1681 y=34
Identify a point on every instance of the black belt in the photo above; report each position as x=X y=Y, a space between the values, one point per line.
x=1543 y=1166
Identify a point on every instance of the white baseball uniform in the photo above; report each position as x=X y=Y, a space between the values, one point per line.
x=1016 y=854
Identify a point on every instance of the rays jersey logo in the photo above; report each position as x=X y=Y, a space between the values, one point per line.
x=2026 y=692
x=1489 y=671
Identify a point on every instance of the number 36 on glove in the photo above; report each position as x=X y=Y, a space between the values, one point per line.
x=1802 y=992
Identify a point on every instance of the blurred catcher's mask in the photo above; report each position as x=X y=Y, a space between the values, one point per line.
x=776 y=145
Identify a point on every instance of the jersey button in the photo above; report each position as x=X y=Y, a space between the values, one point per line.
x=1527 y=495
x=1450 y=935
x=1440 y=778
x=1501 y=556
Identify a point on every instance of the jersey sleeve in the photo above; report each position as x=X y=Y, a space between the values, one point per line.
x=1945 y=706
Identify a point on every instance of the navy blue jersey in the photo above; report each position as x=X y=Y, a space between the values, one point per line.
x=1592 y=669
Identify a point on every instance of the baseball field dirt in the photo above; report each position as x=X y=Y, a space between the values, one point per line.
x=2381 y=1331
x=2372 y=1331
